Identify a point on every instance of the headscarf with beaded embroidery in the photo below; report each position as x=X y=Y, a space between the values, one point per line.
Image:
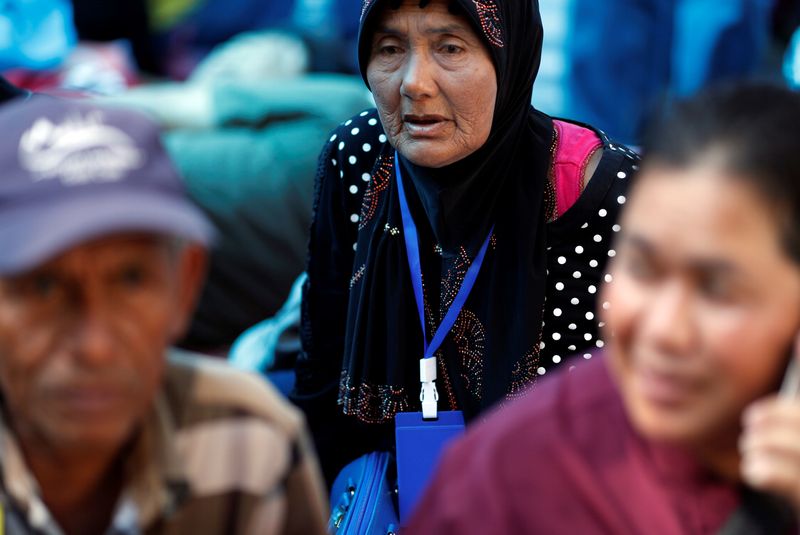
x=493 y=348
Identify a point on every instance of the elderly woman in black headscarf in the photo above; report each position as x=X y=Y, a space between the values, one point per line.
x=454 y=170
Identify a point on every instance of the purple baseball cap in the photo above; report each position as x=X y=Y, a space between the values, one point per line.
x=72 y=171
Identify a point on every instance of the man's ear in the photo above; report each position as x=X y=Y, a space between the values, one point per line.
x=192 y=264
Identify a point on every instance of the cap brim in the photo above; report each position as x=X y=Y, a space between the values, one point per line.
x=36 y=232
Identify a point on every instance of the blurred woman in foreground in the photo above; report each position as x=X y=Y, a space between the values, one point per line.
x=679 y=429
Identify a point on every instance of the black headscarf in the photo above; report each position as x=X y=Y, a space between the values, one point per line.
x=492 y=350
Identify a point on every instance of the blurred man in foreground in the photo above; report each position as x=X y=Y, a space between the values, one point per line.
x=103 y=431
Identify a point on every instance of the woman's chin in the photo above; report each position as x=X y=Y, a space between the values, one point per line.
x=430 y=153
x=672 y=425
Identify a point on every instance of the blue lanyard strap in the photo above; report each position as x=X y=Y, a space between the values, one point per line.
x=412 y=250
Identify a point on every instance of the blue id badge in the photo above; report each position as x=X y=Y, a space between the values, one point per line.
x=420 y=441
x=419 y=447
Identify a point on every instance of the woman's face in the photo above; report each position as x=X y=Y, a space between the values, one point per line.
x=703 y=306
x=434 y=83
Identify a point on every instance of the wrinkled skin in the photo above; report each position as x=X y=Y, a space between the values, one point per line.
x=434 y=83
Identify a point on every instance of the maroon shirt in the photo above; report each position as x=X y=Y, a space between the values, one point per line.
x=565 y=460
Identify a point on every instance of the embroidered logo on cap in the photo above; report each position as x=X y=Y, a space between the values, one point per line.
x=80 y=150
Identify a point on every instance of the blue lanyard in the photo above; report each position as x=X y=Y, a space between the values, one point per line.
x=412 y=250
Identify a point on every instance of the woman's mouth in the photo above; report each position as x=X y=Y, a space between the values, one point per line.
x=664 y=389
x=424 y=125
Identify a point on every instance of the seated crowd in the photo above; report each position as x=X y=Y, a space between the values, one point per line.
x=621 y=343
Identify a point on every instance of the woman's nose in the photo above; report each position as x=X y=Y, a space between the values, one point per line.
x=418 y=77
x=667 y=322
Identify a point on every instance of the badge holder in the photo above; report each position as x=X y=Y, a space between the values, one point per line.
x=420 y=439
x=422 y=436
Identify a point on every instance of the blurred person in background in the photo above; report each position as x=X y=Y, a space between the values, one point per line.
x=484 y=175
x=103 y=429
x=612 y=63
x=677 y=429
x=170 y=37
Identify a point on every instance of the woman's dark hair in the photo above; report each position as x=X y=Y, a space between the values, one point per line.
x=752 y=132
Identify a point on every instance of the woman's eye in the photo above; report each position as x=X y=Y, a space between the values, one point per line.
x=451 y=49
x=640 y=268
x=389 y=50
x=715 y=288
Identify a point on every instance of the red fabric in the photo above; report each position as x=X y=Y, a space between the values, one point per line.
x=92 y=68
x=575 y=146
x=565 y=461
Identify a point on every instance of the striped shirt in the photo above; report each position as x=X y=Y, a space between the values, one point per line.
x=221 y=453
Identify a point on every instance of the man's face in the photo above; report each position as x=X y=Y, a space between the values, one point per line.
x=82 y=339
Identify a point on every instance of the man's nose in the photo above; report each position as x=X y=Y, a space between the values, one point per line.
x=94 y=338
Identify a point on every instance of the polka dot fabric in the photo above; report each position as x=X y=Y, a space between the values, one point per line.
x=579 y=246
x=357 y=142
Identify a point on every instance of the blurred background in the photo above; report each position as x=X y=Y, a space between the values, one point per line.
x=247 y=91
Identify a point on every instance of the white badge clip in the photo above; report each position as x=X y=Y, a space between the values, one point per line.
x=429 y=396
